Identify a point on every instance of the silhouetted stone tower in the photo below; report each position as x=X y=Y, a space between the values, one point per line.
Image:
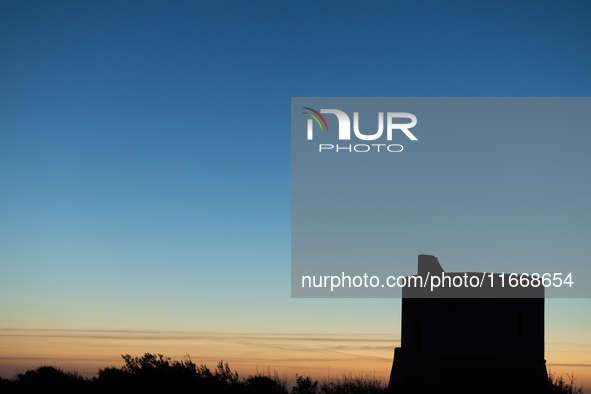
x=453 y=342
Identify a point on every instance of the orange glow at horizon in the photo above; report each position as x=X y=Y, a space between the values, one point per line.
x=315 y=355
x=86 y=351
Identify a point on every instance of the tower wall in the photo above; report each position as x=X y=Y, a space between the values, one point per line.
x=443 y=340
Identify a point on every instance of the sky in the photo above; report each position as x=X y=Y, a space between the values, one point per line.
x=145 y=169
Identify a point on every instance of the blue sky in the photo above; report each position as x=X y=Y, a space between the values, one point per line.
x=145 y=146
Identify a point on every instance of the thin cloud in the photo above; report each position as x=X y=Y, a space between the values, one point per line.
x=188 y=335
x=569 y=365
x=308 y=347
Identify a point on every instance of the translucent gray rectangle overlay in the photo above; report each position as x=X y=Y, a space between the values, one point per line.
x=440 y=197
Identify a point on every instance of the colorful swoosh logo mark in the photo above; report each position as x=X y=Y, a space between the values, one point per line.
x=315 y=118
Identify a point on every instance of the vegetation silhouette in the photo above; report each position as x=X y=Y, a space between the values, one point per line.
x=47 y=379
x=154 y=373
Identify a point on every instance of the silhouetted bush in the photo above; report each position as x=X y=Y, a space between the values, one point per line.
x=265 y=382
x=6 y=386
x=47 y=379
x=154 y=373
x=305 y=386
x=559 y=386
x=349 y=384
